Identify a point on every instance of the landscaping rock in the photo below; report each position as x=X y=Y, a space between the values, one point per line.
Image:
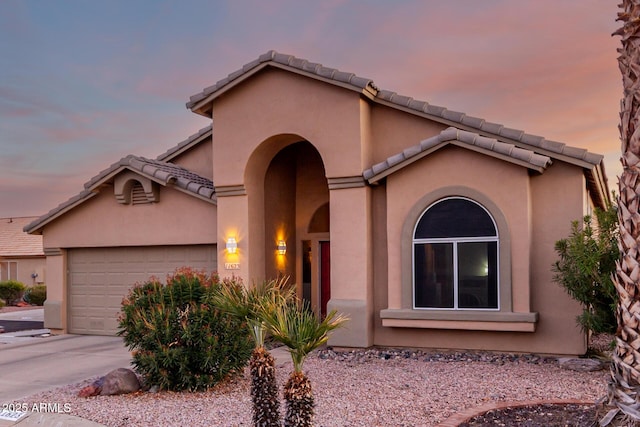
x=363 y=355
x=93 y=389
x=580 y=364
x=120 y=381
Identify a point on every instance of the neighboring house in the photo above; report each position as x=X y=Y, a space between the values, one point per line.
x=21 y=254
x=428 y=227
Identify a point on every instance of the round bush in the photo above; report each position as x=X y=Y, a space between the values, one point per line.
x=36 y=295
x=179 y=340
x=11 y=291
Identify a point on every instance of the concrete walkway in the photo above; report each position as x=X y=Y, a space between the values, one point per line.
x=40 y=364
x=30 y=365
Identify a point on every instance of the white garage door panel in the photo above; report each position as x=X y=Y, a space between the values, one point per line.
x=100 y=277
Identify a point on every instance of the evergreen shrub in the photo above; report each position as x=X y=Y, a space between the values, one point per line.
x=36 y=295
x=180 y=341
x=587 y=261
x=11 y=291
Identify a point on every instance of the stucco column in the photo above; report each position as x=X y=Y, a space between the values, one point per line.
x=235 y=221
x=55 y=306
x=351 y=264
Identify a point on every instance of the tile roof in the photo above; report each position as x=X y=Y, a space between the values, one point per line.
x=176 y=175
x=451 y=135
x=166 y=174
x=290 y=62
x=185 y=145
x=14 y=242
x=162 y=172
x=457 y=119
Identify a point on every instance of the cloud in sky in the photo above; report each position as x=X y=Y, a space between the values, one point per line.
x=85 y=83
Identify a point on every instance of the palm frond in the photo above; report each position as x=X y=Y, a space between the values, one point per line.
x=246 y=303
x=296 y=326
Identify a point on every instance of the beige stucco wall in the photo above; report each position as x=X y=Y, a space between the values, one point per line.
x=538 y=210
x=198 y=160
x=259 y=118
x=101 y=221
x=393 y=131
x=273 y=109
x=29 y=266
x=505 y=184
x=55 y=306
x=253 y=123
x=275 y=102
x=557 y=200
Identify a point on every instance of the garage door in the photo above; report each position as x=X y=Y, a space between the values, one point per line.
x=100 y=277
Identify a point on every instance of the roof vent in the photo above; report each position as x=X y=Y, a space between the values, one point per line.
x=138 y=195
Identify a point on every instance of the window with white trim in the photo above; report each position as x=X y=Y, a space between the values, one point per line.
x=8 y=271
x=455 y=257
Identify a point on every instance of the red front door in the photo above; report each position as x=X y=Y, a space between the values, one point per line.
x=325 y=277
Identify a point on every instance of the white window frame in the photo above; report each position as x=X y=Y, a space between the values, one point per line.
x=5 y=270
x=454 y=241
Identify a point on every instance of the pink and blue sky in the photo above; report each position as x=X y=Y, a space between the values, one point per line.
x=84 y=83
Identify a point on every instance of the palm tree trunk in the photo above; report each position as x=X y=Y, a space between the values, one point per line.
x=300 y=403
x=624 y=386
x=264 y=389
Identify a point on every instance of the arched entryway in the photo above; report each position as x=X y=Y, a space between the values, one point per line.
x=296 y=216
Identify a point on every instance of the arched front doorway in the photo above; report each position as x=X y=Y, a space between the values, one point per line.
x=296 y=217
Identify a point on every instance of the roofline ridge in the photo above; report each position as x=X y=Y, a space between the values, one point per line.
x=185 y=142
x=286 y=60
x=453 y=135
x=438 y=113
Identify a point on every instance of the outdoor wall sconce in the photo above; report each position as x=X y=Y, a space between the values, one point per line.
x=232 y=245
x=282 y=247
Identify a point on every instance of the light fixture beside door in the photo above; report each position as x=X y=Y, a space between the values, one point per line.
x=232 y=245
x=282 y=247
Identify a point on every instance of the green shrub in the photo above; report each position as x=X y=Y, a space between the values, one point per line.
x=179 y=340
x=587 y=261
x=36 y=295
x=11 y=291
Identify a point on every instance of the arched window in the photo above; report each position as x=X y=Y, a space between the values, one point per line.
x=455 y=257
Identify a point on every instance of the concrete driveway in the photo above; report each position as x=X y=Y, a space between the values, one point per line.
x=39 y=364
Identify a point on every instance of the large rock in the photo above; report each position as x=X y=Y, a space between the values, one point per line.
x=581 y=365
x=92 y=389
x=120 y=381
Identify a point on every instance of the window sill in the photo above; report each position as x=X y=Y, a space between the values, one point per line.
x=462 y=320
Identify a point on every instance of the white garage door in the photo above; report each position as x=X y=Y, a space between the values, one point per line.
x=99 y=278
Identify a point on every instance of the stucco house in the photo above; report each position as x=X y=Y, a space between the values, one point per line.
x=428 y=227
x=21 y=254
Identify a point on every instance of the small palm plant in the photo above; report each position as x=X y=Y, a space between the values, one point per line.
x=247 y=304
x=297 y=327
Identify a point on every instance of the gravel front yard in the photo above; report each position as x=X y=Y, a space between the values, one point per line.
x=365 y=388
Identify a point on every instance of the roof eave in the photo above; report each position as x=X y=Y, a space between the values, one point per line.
x=375 y=179
x=462 y=126
x=598 y=186
x=192 y=141
x=204 y=108
x=213 y=200
x=22 y=256
x=518 y=162
x=37 y=226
